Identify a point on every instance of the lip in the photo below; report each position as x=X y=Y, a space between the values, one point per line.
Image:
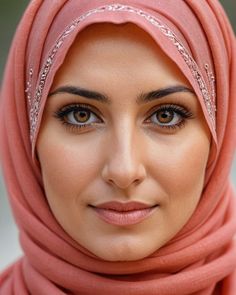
x=124 y=214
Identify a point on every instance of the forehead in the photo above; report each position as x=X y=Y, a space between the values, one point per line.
x=123 y=50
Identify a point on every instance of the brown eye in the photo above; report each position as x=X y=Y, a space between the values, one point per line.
x=169 y=116
x=82 y=116
x=165 y=116
x=78 y=115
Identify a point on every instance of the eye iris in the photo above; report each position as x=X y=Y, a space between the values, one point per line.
x=82 y=116
x=165 y=116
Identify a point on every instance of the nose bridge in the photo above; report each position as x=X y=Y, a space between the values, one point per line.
x=124 y=165
x=124 y=154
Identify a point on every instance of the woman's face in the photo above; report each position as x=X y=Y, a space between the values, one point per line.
x=123 y=145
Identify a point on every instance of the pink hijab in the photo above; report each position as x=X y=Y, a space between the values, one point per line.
x=201 y=259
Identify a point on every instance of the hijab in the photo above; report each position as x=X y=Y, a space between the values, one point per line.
x=201 y=258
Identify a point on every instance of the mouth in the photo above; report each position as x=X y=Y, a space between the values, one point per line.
x=124 y=214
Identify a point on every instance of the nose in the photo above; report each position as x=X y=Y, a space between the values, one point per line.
x=124 y=167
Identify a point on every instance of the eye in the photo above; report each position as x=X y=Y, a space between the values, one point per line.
x=169 y=116
x=78 y=115
x=166 y=117
x=81 y=116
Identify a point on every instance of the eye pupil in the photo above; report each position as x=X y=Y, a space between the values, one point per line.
x=165 y=116
x=82 y=116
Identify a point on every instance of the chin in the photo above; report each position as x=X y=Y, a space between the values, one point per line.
x=125 y=252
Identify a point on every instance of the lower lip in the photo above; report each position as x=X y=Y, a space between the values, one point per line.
x=124 y=218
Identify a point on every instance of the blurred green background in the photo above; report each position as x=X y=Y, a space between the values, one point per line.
x=10 y=13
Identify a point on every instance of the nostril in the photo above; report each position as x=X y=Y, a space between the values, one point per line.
x=137 y=181
x=124 y=179
x=123 y=173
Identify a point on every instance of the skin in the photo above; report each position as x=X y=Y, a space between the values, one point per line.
x=123 y=155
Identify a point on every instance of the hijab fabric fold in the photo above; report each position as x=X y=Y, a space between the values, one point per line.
x=201 y=259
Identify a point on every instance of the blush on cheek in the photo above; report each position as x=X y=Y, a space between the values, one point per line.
x=181 y=168
x=68 y=168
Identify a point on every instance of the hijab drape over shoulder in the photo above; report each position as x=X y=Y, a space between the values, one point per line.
x=201 y=259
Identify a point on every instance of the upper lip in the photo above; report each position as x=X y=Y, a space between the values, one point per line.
x=123 y=207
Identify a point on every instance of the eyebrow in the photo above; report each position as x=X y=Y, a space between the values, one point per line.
x=142 y=98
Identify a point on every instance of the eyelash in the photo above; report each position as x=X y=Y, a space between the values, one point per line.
x=62 y=113
x=182 y=112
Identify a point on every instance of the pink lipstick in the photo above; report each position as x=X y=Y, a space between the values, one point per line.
x=124 y=214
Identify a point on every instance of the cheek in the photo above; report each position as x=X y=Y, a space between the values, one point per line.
x=67 y=167
x=180 y=166
x=179 y=172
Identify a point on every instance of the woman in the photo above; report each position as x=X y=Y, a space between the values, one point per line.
x=117 y=136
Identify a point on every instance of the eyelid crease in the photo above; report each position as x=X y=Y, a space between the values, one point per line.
x=179 y=108
x=64 y=111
